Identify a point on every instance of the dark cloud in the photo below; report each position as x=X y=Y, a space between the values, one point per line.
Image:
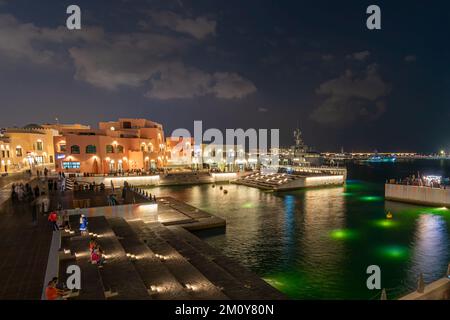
x=199 y=27
x=410 y=58
x=114 y=60
x=352 y=97
x=359 y=56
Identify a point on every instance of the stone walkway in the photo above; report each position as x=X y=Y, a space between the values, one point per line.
x=23 y=250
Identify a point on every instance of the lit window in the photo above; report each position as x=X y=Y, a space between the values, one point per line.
x=109 y=149
x=75 y=149
x=71 y=165
x=119 y=149
x=91 y=149
x=39 y=145
x=18 y=152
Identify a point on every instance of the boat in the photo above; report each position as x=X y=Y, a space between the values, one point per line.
x=381 y=159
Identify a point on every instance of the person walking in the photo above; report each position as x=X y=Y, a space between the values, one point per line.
x=34 y=211
x=53 y=219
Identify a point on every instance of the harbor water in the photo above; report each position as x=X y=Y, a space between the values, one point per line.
x=318 y=243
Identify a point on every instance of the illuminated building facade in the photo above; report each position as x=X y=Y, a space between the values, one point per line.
x=5 y=155
x=29 y=147
x=116 y=147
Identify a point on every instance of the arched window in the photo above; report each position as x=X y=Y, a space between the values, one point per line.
x=119 y=149
x=91 y=149
x=75 y=149
x=109 y=149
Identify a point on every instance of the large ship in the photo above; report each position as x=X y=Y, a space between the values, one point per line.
x=300 y=154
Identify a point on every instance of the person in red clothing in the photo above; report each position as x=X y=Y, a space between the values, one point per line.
x=53 y=219
x=53 y=293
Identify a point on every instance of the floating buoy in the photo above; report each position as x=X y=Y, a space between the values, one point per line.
x=221 y=187
x=213 y=185
x=225 y=191
x=389 y=215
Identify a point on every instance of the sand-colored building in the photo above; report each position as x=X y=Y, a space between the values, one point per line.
x=29 y=147
x=180 y=152
x=116 y=146
x=5 y=155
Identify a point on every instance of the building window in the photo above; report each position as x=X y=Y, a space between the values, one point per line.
x=143 y=148
x=126 y=125
x=91 y=149
x=75 y=149
x=51 y=159
x=71 y=165
x=3 y=153
x=7 y=153
x=62 y=148
x=119 y=149
x=39 y=146
x=18 y=152
x=109 y=149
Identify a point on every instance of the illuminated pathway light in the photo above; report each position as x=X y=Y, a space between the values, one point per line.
x=342 y=234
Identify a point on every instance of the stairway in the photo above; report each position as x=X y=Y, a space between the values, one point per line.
x=152 y=261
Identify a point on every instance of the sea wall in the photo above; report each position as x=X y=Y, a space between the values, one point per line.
x=118 y=181
x=417 y=195
x=438 y=290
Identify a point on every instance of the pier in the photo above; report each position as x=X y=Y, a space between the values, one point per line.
x=421 y=195
x=292 y=178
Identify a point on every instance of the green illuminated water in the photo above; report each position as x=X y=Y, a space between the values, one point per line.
x=317 y=244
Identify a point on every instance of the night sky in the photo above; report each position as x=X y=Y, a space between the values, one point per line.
x=235 y=64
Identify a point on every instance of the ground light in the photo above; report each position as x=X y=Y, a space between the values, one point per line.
x=394 y=252
x=347 y=194
x=247 y=205
x=342 y=234
x=371 y=198
x=385 y=223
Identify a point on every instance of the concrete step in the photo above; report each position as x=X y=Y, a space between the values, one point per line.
x=199 y=287
x=156 y=277
x=232 y=287
x=118 y=273
x=250 y=280
x=91 y=282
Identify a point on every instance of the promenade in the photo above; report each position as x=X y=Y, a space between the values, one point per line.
x=149 y=255
x=23 y=250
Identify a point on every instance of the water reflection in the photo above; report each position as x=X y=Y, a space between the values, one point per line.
x=318 y=243
x=430 y=248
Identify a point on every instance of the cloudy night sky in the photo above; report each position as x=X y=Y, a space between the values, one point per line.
x=235 y=64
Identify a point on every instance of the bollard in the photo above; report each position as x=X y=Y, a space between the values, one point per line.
x=383 y=294
x=420 y=284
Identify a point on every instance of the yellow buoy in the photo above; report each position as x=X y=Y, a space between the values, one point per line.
x=389 y=215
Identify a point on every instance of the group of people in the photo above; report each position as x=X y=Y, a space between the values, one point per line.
x=422 y=181
x=89 y=186
x=23 y=192
x=56 y=185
